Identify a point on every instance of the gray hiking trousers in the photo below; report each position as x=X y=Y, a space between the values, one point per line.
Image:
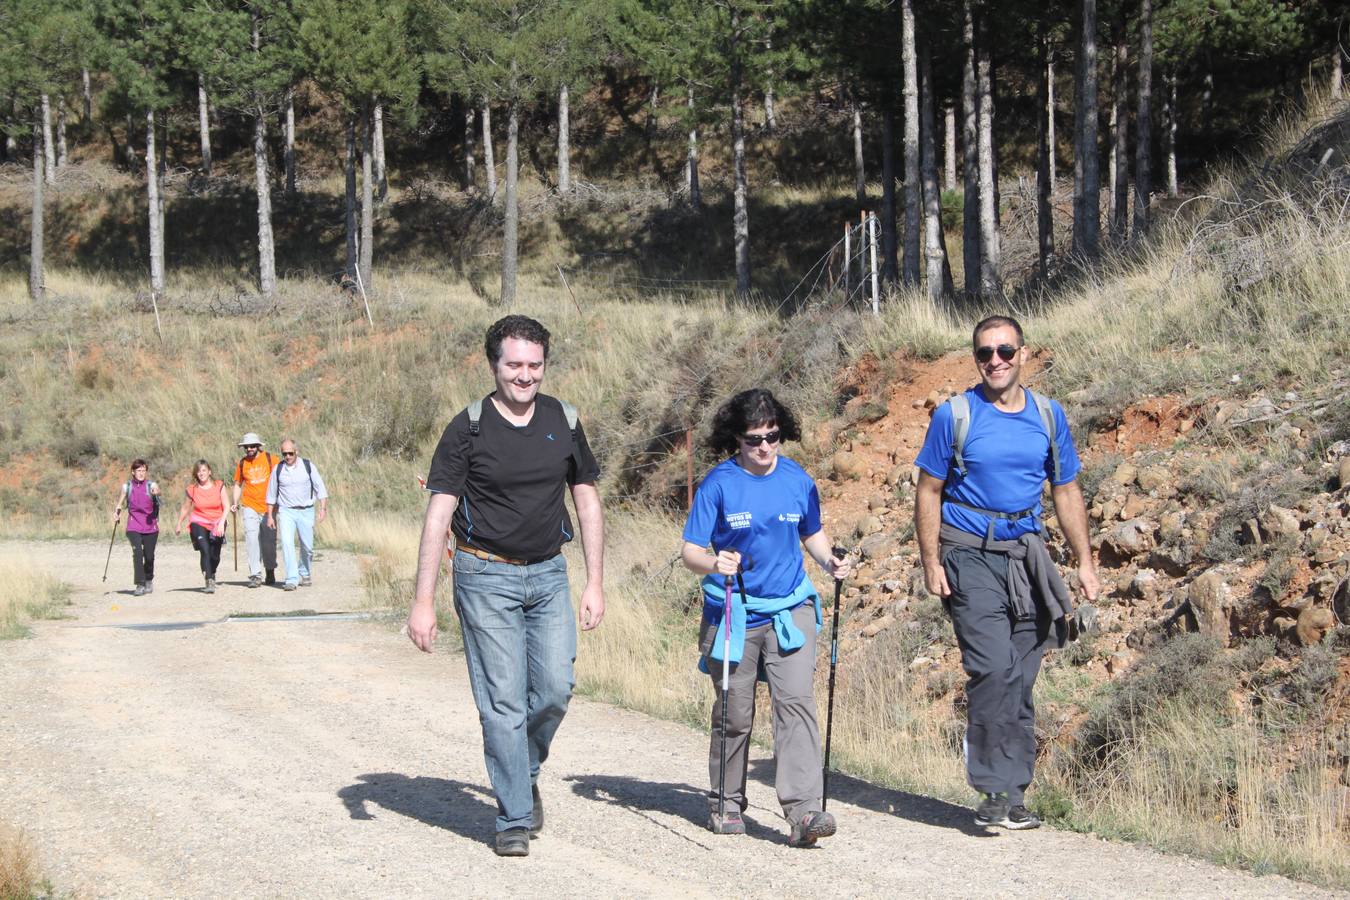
x=1002 y=657
x=796 y=737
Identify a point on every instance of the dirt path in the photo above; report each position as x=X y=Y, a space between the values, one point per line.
x=154 y=749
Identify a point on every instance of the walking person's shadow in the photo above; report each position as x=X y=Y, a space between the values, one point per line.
x=466 y=809
x=888 y=801
x=680 y=800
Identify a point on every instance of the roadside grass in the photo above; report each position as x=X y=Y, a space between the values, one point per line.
x=27 y=594
x=20 y=875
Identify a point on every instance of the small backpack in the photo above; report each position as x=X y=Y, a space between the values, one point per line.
x=960 y=405
x=154 y=498
x=475 y=411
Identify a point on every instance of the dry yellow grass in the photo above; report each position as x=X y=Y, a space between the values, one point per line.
x=20 y=876
x=27 y=593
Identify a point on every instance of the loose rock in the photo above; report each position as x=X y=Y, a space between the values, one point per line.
x=848 y=466
x=1208 y=596
x=1313 y=625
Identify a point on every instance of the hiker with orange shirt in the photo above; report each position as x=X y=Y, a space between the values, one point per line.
x=205 y=500
x=251 y=475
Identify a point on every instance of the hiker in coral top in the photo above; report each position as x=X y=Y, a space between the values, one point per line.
x=206 y=502
x=251 y=475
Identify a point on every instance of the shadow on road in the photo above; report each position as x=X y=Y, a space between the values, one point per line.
x=645 y=797
x=915 y=808
x=466 y=809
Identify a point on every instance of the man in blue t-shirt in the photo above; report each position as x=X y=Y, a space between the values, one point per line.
x=978 y=519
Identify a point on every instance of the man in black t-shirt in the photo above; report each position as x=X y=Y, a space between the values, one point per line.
x=497 y=481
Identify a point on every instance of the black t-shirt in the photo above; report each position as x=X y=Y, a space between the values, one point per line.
x=510 y=479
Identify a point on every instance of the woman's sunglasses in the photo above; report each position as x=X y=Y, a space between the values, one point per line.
x=754 y=440
x=1005 y=352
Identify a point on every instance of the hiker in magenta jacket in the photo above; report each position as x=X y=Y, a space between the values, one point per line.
x=760 y=508
x=141 y=497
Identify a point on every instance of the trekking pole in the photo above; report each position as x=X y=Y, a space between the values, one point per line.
x=829 y=707
x=726 y=685
x=117 y=518
x=234 y=525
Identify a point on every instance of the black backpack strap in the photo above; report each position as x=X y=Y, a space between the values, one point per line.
x=475 y=411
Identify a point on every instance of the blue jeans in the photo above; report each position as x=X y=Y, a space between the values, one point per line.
x=520 y=641
x=290 y=521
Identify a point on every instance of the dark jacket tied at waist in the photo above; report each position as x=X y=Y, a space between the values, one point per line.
x=1033 y=578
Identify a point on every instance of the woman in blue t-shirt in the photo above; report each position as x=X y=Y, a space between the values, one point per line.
x=756 y=510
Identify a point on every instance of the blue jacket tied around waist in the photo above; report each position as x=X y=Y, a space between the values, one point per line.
x=751 y=612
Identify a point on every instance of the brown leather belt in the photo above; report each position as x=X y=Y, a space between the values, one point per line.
x=490 y=557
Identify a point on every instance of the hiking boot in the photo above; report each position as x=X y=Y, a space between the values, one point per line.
x=537 y=813
x=271 y=577
x=150 y=586
x=993 y=810
x=810 y=828
x=140 y=591
x=512 y=841
x=210 y=586
x=1019 y=818
x=288 y=586
x=731 y=823
x=305 y=581
x=254 y=580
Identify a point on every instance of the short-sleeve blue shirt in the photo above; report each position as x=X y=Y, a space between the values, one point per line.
x=1007 y=457
x=764 y=516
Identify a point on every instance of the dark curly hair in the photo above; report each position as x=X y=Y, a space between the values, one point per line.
x=520 y=327
x=755 y=408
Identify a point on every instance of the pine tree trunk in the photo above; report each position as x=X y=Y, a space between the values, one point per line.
x=691 y=161
x=949 y=148
x=152 y=196
x=511 y=220
x=1170 y=134
x=350 y=176
x=740 y=219
x=1119 y=195
x=37 y=285
x=1143 y=162
x=859 y=172
x=564 y=151
x=991 y=254
x=48 y=146
x=909 y=263
x=890 y=271
x=1087 y=208
x=467 y=180
x=770 y=114
x=935 y=254
x=381 y=172
x=204 y=123
x=1050 y=113
x=87 y=95
x=1045 y=223
x=489 y=164
x=267 y=258
x=61 y=135
x=970 y=145
x=290 y=141
x=367 y=253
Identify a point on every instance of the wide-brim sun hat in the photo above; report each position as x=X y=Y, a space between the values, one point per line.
x=250 y=438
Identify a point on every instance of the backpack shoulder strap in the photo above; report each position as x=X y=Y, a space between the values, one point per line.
x=960 y=405
x=570 y=412
x=309 y=470
x=475 y=410
x=1048 y=420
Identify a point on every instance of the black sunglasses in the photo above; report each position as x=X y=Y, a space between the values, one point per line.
x=287 y=452
x=253 y=446
x=754 y=440
x=1005 y=352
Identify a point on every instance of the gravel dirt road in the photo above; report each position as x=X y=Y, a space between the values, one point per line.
x=153 y=748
